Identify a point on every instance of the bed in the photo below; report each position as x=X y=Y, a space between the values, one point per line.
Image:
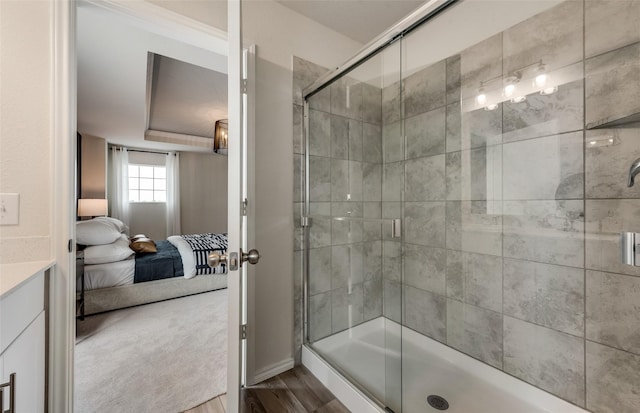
x=115 y=277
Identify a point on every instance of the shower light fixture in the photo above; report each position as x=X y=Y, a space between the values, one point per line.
x=549 y=90
x=509 y=89
x=491 y=106
x=481 y=98
x=518 y=99
x=541 y=80
x=510 y=85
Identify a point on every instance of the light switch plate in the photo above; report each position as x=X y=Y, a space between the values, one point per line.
x=9 y=209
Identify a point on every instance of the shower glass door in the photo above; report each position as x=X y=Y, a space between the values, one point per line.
x=354 y=164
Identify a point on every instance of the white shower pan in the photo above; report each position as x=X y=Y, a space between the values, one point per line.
x=369 y=353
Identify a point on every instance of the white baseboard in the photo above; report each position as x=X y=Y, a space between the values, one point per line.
x=273 y=370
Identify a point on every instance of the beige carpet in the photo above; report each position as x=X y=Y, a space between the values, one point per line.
x=163 y=357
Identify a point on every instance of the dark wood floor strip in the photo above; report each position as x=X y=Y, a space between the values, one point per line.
x=250 y=402
x=334 y=406
x=294 y=391
x=301 y=391
x=314 y=384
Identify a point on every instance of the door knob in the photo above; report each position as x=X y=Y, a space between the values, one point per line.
x=252 y=257
x=215 y=258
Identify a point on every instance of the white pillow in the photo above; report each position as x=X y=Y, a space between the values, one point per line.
x=102 y=254
x=96 y=232
x=119 y=225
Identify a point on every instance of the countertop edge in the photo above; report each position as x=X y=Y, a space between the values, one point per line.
x=14 y=275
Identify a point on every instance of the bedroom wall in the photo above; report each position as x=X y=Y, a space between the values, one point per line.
x=203 y=192
x=93 y=167
x=287 y=34
x=25 y=129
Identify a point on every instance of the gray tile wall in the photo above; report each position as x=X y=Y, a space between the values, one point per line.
x=511 y=217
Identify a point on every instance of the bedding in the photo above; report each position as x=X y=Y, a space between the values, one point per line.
x=143 y=245
x=194 y=250
x=102 y=254
x=96 y=232
x=120 y=226
x=179 y=256
x=107 y=275
x=165 y=263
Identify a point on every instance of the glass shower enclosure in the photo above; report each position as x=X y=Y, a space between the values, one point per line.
x=465 y=187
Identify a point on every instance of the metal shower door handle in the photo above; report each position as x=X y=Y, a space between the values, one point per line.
x=630 y=248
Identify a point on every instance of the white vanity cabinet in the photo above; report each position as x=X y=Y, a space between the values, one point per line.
x=22 y=343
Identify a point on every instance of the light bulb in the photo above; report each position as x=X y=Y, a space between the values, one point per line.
x=492 y=106
x=610 y=140
x=481 y=99
x=519 y=99
x=509 y=89
x=549 y=90
x=592 y=143
x=541 y=80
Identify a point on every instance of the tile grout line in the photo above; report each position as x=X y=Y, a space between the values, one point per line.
x=584 y=201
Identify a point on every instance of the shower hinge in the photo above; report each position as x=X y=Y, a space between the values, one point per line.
x=305 y=221
x=245 y=204
x=243 y=332
x=244 y=85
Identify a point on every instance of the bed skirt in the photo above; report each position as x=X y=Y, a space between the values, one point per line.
x=113 y=298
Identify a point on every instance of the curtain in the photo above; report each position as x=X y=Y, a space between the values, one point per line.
x=119 y=184
x=173 y=194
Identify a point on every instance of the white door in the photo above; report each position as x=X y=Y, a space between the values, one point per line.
x=241 y=206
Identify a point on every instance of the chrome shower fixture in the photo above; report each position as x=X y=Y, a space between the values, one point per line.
x=633 y=171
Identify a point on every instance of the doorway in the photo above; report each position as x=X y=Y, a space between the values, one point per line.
x=146 y=154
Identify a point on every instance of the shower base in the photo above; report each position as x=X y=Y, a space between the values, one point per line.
x=369 y=353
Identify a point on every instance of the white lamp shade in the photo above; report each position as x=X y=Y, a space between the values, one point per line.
x=92 y=207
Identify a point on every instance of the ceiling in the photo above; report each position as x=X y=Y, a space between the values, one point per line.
x=186 y=98
x=360 y=20
x=112 y=53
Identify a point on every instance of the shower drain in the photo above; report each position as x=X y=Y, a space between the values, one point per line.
x=437 y=402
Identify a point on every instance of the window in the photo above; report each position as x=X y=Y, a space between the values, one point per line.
x=147 y=183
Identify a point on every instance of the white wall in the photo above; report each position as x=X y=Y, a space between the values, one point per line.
x=203 y=192
x=25 y=129
x=148 y=218
x=279 y=33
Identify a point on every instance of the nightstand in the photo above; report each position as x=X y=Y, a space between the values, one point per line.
x=80 y=282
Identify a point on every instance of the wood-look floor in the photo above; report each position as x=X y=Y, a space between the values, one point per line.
x=294 y=391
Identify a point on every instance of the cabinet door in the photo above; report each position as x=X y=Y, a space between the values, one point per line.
x=25 y=357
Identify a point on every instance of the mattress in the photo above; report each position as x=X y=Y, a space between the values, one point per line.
x=108 y=275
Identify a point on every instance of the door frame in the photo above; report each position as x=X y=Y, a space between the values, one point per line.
x=63 y=79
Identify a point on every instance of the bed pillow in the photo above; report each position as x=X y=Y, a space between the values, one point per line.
x=102 y=254
x=96 y=232
x=142 y=245
x=119 y=225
